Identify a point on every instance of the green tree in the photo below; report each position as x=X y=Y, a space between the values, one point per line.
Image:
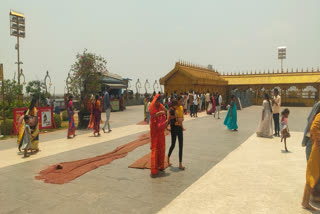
x=11 y=91
x=86 y=74
x=37 y=89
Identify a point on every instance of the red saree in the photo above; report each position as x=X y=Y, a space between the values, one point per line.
x=158 y=147
x=97 y=117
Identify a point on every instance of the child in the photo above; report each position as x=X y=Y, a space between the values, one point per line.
x=27 y=136
x=172 y=114
x=284 y=130
x=147 y=110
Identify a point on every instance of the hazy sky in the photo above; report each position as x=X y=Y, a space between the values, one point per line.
x=144 y=38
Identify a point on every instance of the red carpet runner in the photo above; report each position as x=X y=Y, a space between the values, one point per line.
x=67 y=171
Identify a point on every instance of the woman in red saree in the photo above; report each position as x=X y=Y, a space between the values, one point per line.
x=211 y=106
x=72 y=127
x=158 y=123
x=97 y=116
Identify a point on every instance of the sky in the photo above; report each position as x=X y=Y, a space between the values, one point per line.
x=145 y=38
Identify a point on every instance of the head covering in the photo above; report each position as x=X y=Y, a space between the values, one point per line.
x=313 y=113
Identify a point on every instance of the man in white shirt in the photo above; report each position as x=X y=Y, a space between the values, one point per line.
x=219 y=103
x=276 y=103
x=195 y=104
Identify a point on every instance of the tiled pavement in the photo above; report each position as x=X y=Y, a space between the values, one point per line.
x=115 y=188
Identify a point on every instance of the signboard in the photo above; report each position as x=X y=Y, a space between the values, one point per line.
x=115 y=105
x=45 y=117
x=1 y=72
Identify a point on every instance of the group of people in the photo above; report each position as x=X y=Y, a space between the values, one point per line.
x=192 y=103
x=160 y=118
x=271 y=112
x=96 y=108
x=28 y=130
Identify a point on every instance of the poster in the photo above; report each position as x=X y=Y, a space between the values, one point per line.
x=45 y=117
x=115 y=104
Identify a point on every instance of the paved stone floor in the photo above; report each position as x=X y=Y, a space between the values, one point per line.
x=218 y=171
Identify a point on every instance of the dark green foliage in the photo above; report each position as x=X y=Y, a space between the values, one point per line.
x=65 y=116
x=57 y=120
x=9 y=123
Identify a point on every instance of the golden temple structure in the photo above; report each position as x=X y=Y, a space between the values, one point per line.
x=185 y=77
x=297 y=88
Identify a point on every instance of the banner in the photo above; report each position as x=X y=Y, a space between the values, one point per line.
x=115 y=104
x=45 y=117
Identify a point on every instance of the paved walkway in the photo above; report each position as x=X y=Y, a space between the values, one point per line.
x=115 y=188
x=257 y=177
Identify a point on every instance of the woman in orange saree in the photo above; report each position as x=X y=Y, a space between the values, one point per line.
x=313 y=166
x=91 y=108
x=158 y=124
x=97 y=116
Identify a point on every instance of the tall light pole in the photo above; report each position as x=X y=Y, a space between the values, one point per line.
x=282 y=55
x=17 y=29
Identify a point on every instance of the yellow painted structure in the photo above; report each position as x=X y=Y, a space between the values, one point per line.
x=296 y=88
x=185 y=77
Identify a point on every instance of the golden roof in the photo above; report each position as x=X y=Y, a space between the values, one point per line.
x=274 y=78
x=196 y=73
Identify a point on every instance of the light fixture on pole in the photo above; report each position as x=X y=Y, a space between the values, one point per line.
x=17 y=29
x=282 y=55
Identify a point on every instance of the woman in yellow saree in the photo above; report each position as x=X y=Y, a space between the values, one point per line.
x=34 y=125
x=313 y=166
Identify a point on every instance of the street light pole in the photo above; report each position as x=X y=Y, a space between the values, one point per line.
x=18 y=49
x=282 y=55
x=17 y=29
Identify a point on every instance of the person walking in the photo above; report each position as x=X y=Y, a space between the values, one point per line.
x=97 y=116
x=231 y=117
x=195 y=104
x=276 y=102
x=177 y=131
x=72 y=127
x=32 y=112
x=107 y=108
x=265 y=125
x=306 y=142
x=216 y=99
x=313 y=165
x=191 y=97
x=219 y=104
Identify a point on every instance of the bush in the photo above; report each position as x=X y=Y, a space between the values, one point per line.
x=57 y=120
x=9 y=124
x=65 y=116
